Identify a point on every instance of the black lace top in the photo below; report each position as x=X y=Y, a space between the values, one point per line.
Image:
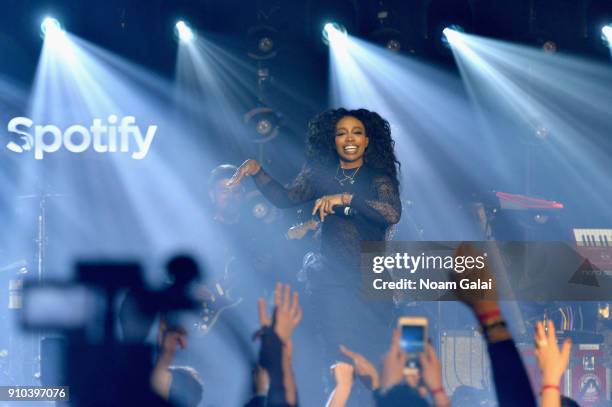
x=375 y=207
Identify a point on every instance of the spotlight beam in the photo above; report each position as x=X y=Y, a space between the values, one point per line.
x=333 y=32
x=184 y=32
x=51 y=27
x=563 y=94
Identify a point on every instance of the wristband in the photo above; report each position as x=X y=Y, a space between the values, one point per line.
x=485 y=329
x=488 y=315
x=346 y=199
x=437 y=391
x=550 y=387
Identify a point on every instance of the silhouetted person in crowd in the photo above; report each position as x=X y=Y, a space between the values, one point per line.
x=181 y=385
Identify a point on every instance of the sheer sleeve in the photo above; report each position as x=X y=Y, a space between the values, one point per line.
x=299 y=191
x=385 y=209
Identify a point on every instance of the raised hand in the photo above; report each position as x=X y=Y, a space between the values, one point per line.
x=363 y=368
x=431 y=368
x=344 y=374
x=552 y=361
x=262 y=309
x=393 y=363
x=481 y=302
x=170 y=340
x=287 y=312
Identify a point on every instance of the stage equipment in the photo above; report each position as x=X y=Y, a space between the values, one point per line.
x=215 y=301
x=587 y=380
x=261 y=208
x=452 y=29
x=184 y=31
x=387 y=35
x=464 y=359
x=520 y=217
x=593 y=237
x=606 y=34
x=262 y=42
x=390 y=38
x=542 y=132
x=596 y=246
x=549 y=47
x=264 y=124
x=444 y=17
x=98 y=368
x=332 y=29
x=465 y=362
x=520 y=202
x=50 y=26
x=603 y=311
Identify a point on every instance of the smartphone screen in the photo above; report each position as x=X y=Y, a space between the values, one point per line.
x=412 y=338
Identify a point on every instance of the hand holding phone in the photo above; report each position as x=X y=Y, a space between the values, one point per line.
x=413 y=339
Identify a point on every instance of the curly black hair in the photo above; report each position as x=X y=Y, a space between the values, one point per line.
x=321 y=145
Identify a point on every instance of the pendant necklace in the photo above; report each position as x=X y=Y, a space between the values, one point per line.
x=346 y=178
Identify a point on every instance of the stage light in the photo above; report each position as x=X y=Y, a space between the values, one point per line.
x=603 y=311
x=394 y=45
x=333 y=31
x=264 y=122
x=263 y=42
x=549 y=47
x=540 y=219
x=607 y=33
x=264 y=126
x=453 y=27
x=50 y=27
x=266 y=44
x=542 y=132
x=390 y=38
x=450 y=34
x=184 y=32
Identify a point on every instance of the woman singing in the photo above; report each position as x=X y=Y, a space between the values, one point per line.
x=351 y=173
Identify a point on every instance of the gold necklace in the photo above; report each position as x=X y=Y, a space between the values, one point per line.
x=346 y=178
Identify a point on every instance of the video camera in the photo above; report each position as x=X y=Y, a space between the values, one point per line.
x=85 y=352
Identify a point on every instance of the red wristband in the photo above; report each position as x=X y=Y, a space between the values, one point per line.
x=488 y=315
x=551 y=387
x=436 y=391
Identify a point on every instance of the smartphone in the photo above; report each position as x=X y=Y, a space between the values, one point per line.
x=413 y=337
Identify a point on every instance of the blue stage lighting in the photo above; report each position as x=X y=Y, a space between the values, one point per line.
x=607 y=33
x=50 y=26
x=184 y=31
x=333 y=30
x=449 y=31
